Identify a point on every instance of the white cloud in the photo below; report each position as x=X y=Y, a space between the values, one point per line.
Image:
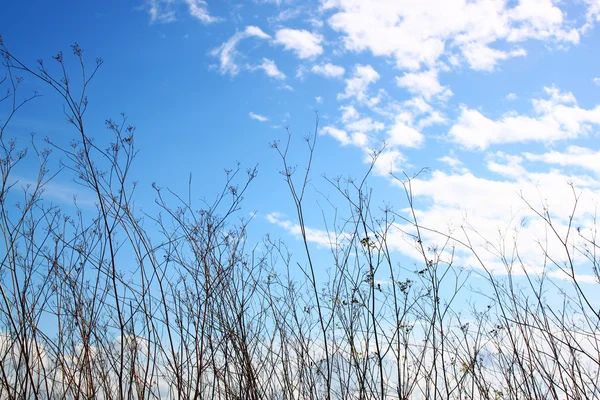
x=376 y=27
x=255 y=31
x=276 y=2
x=270 y=68
x=317 y=236
x=318 y=99
x=357 y=131
x=493 y=218
x=199 y=10
x=357 y=86
x=63 y=192
x=302 y=42
x=349 y=113
x=556 y=118
x=450 y=160
x=404 y=135
x=338 y=134
x=358 y=139
x=482 y=57
x=596 y=81
x=418 y=106
x=502 y=218
x=573 y=156
x=227 y=51
x=301 y=72
x=316 y=22
x=161 y=11
x=425 y=84
x=257 y=117
x=328 y=70
x=434 y=118
x=538 y=19
x=286 y=15
x=592 y=14
x=388 y=161
x=164 y=11
x=511 y=96
x=418 y=113
x=375 y=100
x=365 y=125
x=417 y=34
x=506 y=165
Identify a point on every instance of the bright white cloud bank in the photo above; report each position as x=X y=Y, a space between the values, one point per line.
x=394 y=72
x=555 y=118
x=417 y=34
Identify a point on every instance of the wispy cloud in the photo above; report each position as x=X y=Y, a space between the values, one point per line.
x=573 y=156
x=62 y=192
x=328 y=70
x=270 y=69
x=258 y=117
x=199 y=10
x=165 y=11
x=320 y=237
x=227 y=52
x=160 y=11
x=451 y=160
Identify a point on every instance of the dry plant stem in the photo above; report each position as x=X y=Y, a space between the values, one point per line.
x=297 y=196
x=100 y=300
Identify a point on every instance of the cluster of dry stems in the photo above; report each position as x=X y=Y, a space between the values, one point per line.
x=103 y=302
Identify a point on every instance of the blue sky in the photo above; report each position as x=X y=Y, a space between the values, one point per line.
x=497 y=98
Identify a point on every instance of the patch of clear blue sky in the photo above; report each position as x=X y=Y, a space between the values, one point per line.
x=191 y=119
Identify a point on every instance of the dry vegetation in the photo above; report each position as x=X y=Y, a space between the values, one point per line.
x=117 y=304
